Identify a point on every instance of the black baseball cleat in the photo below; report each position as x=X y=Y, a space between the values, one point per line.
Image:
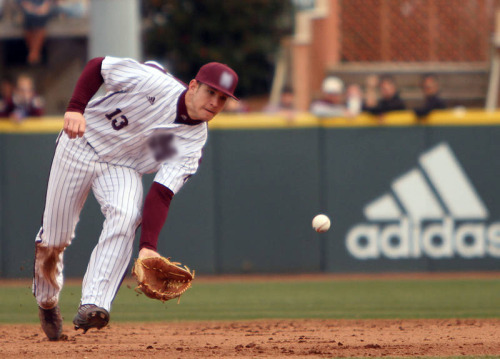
x=90 y=316
x=51 y=322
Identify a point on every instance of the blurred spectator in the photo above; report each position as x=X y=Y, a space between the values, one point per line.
x=26 y=102
x=371 y=91
x=430 y=88
x=286 y=106
x=36 y=15
x=354 y=100
x=286 y=103
x=389 y=98
x=331 y=103
x=6 y=94
x=234 y=106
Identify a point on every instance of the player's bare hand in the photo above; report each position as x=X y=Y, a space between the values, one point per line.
x=74 y=124
x=145 y=253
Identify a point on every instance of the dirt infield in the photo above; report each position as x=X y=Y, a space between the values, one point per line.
x=265 y=338
x=261 y=339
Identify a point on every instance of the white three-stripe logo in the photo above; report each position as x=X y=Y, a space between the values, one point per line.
x=438 y=188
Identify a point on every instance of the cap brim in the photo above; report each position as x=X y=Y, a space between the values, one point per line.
x=225 y=92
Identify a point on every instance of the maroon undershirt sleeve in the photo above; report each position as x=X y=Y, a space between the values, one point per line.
x=87 y=85
x=154 y=215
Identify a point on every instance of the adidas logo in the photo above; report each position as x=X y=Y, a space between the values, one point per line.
x=151 y=99
x=432 y=210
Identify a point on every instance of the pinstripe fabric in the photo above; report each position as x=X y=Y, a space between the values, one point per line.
x=70 y=181
x=118 y=189
x=130 y=87
x=119 y=192
x=140 y=103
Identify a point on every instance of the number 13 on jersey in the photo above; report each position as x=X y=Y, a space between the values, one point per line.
x=117 y=121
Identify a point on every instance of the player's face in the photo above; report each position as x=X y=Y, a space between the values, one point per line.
x=205 y=102
x=387 y=89
x=430 y=86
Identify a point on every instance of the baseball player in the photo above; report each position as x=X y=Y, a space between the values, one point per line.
x=148 y=121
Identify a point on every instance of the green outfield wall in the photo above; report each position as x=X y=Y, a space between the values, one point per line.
x=403 y=195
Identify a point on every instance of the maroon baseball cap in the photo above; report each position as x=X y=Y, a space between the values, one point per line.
x=219 y=76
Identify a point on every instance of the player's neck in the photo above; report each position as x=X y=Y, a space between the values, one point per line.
x=188 y=98
x=183 y=115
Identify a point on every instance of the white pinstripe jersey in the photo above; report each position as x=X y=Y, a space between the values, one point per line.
x=137 y=117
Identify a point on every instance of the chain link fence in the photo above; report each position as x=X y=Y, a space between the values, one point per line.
x=417 y=30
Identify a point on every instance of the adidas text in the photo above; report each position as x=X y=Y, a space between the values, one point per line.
x=438 y=239
x=432 y=210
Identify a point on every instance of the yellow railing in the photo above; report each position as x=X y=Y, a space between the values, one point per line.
x=457 y=117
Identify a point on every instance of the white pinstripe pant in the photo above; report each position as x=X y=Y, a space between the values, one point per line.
x=75 y=170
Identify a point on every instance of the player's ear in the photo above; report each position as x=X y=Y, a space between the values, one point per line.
x=193 y=85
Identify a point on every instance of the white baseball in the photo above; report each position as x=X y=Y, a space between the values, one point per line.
x=321 y=223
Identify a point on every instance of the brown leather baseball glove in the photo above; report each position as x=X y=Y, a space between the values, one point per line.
x=161 y=279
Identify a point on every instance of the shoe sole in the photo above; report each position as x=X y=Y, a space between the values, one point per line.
x=96 y=318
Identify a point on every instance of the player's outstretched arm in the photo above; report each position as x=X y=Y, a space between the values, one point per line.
x=74 y=124
x=154 y=215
